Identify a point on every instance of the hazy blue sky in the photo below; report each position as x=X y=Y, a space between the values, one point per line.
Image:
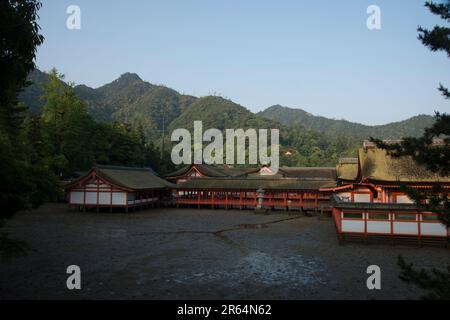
x=316 y=55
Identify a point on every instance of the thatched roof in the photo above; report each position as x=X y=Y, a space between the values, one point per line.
x=376 y=165
x=347 y=171
x=126 y=177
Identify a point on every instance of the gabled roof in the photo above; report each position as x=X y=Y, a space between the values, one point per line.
x=237 y=172
x=377 y=165
x=126 y=177
x=255 y=184
x=213 y=171
x=312 y=173
x=205 y=169
x=347 y=171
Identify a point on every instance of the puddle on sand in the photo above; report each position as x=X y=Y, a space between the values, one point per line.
x=260 y=268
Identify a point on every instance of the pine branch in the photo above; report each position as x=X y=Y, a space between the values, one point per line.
x=445 y=92
x=436 y=39
x=441 y=9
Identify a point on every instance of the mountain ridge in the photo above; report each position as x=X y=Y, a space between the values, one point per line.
x=412 y=126
x=132 y=100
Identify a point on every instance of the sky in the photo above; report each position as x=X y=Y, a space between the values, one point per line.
x=315 y=55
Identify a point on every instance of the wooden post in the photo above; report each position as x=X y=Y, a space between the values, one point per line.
x=198 y=199
x=317 y=201
x=158 y=197
x=301 y=201
x=153 y=196
x=240 y=200
x=285 y=195
x=270 y=200
x=226 y=200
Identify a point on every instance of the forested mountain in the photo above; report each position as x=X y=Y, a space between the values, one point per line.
x=157 y=106
x=127 y=99
x=31 y=95
x=144 y=108
x=297 y=117
x=220 y=113
x=306 y=147
x=103 y=102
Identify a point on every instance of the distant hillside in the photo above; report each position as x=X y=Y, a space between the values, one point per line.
x=130 y=99
x=220 y=113
x=122 y=92
x=127 y=99
x=310 y=140
x=31 y=95
x=306 y=147
x=157 y=105
x=297 y=117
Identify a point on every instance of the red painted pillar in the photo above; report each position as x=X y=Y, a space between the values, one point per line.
x=240 y=200
x=226 y=200
x=301 y=200
x=285 y=200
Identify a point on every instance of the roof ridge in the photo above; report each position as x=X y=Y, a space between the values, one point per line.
x=102 y=166
x=284 y=167
x=227 y=178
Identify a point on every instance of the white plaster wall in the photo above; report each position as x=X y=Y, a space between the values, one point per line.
x=406 y=228
x=91 y=197
x=104 y=198
x=119 y=198
x=352 y=226
x=433 y=229
x=362 y=197
x=76 y=197
x=378 y=227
